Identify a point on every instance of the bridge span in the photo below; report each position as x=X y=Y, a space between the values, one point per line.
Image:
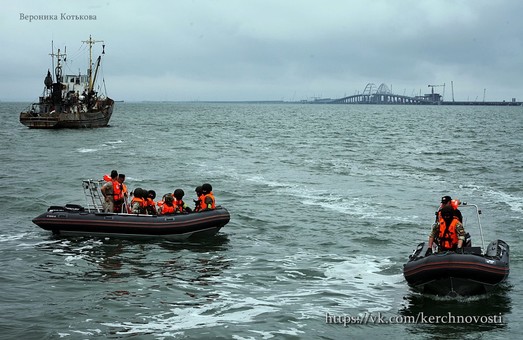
x=383 y=95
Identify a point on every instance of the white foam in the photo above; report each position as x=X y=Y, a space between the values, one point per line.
x=86 y=150
x=8 y=238
x=239 y=310
x=514 y=202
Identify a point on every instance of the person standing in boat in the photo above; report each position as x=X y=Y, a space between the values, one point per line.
x=449 y=231
x=108 y=192
x=119 y=192
x=124 y=195
x=454 y=203
x=207 y=200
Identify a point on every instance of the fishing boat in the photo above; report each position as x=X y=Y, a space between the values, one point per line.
x=70 y=101
x=469 y=271
x=77 y=220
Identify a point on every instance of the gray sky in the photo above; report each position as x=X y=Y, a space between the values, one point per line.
x=271 y=49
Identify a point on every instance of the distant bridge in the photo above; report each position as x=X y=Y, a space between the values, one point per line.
x=383 y=95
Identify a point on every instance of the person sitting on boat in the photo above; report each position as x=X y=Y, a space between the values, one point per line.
x=179 y=204
x=207 y=200
x=454 y=203
x=139 y=203
x=108 y=192
x=197 y=202
x=151 y=204
x=166 y=206
x=448 y=232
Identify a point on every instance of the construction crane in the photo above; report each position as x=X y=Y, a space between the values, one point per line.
x=432 y=92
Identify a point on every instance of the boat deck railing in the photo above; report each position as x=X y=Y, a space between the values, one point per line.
x=478 y=212
x=93 y=196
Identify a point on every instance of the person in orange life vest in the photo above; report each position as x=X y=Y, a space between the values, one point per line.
x=179 y=204
x=151 y=205
x=120 y=195
x=449 y=232
x=167 y=205
x=107 y=191
x=448 y=201
x=139 y=202
x=207 y=200
x=199 y=194
x=125 y=194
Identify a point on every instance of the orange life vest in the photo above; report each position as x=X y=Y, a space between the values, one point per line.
x=143 y=203
x=150 y=206
x=448 y=237
x=167 y=209
x=179 y=205
x=117 y=191
x=198 y=203
x=454 y=204
x=204 y=205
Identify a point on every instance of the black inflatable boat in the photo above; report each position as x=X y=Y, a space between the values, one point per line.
x=75 y=220
x=469 y=271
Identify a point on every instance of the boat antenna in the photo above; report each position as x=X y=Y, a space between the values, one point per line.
x=91 y=42
x=58 y=69
x=52 y=54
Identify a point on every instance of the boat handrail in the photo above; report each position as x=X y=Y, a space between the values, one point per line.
x=93 y=197
x=478 y=212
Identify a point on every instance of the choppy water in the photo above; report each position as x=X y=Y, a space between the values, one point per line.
x=326 y=201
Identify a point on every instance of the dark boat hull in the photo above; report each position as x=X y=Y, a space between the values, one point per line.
x=468 y=273
x=73 y=220
x=72 y=120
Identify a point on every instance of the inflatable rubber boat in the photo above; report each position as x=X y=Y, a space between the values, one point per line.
x=465 y=272
x=77 y=220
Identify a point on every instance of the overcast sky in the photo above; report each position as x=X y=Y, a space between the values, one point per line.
x=270 y=49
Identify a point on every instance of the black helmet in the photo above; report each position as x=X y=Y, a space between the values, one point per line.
x=206 y=188
x=151 y=194
x=178 y=193
x=138 y=192
x=198 y=190
x=446 y=199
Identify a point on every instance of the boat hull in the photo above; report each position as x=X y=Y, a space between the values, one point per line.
x=73 y=119
x=466 y=274
x=72 y=220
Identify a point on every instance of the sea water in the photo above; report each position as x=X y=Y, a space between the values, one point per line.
x=327 y=202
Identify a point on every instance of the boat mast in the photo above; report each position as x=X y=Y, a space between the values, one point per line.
x=91 y=42
x=58 y=69
x=52 y=54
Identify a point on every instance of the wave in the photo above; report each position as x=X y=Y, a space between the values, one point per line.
x=298 y=283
